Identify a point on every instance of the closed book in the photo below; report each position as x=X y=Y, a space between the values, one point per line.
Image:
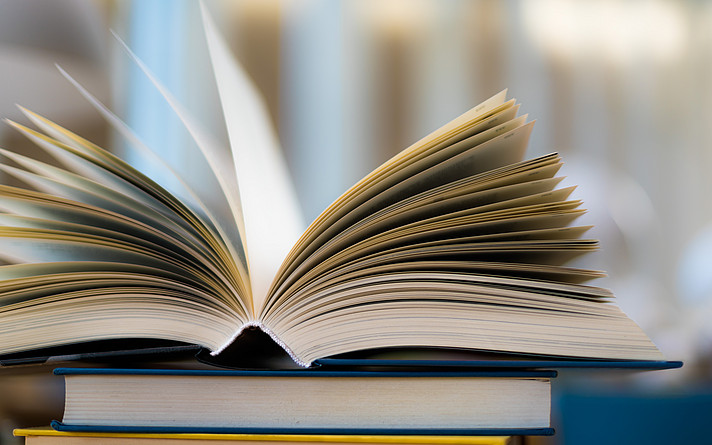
x=49 y=436
x=307 y=402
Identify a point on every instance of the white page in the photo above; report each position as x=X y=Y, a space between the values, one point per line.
x=177 y=186
x=223 y=202
x=273 y=220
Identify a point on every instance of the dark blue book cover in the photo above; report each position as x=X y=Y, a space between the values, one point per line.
x=59 y=426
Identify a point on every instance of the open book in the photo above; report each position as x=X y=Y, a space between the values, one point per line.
x=456 y=242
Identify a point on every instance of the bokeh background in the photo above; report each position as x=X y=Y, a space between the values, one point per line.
x=622 y=89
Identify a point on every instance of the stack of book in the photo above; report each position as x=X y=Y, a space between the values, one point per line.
x=404 y=402
x=457 y=243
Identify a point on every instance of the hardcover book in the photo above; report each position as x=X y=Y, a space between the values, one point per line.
x=457 y=242
x=48 y=436
x=307 y=402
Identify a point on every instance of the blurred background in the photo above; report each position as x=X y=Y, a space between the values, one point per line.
x=622 y=89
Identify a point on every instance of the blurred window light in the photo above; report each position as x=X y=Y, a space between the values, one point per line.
x=633 y=210
x=619 y=32
x=398 y=18
x=312 y=67
x=694 y=274
x=155 y=32
x=71 y=27
x=35 y=36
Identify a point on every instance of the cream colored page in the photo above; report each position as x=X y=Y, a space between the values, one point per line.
x=435 y=141
x=178 y=184
x=216 y=156
x=178 y=187
x=492 y=110
x=438 y=204
x=446 y=131
x=222 y=201
x=111 y=195
x=379 y=184
x=505 y=149
x=103 y=168
x=435 y=256
x=273 y=220
x=521 y=326
x=99 y=216
x=111 y=171
x=30 y=245
x=525 y=176
x=412 y=234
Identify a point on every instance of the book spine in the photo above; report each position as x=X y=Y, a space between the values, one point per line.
x=272 y=335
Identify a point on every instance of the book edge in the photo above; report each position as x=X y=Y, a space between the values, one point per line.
x=542 y=431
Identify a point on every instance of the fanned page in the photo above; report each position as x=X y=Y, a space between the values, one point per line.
x=270 y=208
x=206 y=187
x=457 y=242
x=494 y=147
x=489 y=114
x=161 y=260
x=113 y=249
x=210 y=175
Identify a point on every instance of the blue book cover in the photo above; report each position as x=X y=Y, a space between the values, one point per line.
x=442 y=372
x=492 y=364
x=59 y=426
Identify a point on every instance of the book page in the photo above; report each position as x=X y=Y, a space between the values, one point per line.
x=23 y=283
x=492 y=313
x=488 y=114
x=106 y=300
x=44 y=229
x=177 y=185
x=33 y=209
x=491 y=113
x=390 y=220
x=497 y=147
x=270 y=209
x=117 y=196
x=103 y=167
x=212 y=177
x=440 y=233
x=420 y=210
x=422 y=258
